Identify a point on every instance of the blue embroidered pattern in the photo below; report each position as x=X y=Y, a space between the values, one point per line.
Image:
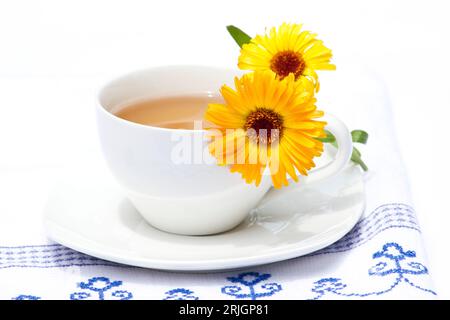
x=26 y=297
x=395 y=264
x=250 y=280
x=180 y=294
x=97 y=287
x=47 y=256
x=392 y=263
x=388 y=216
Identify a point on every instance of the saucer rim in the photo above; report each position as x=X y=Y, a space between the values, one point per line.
x=60 y=235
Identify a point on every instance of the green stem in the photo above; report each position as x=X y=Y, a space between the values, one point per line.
x=360 y=163
x=358 y=136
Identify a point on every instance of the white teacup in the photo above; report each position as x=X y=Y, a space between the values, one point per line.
x=189 y=199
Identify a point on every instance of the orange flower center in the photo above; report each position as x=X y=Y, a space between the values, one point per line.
x=285 y=62
x=264 y=126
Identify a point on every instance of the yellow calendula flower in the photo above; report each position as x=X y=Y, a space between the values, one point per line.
x=288 y=50
x=265 y=122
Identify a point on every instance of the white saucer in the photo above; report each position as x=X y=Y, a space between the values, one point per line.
x=88 y=213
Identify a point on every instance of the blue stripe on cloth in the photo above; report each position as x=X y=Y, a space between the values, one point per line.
x=385 y=217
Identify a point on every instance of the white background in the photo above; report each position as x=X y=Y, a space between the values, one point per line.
x=55 y=54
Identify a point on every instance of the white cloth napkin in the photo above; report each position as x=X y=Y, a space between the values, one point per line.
x=381 y=258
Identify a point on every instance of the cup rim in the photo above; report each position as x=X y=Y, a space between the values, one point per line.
x=111 y=115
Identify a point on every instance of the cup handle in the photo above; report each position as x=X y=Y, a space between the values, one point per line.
x=344 y=141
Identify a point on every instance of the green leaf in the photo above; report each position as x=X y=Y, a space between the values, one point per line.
x=360 y=136
x=238 y=35
x=329 y=138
